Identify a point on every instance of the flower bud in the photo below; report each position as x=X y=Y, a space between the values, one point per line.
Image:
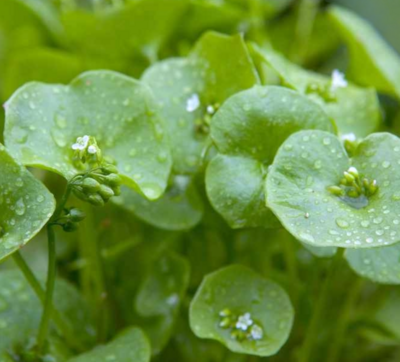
x=336 y=190
x=91 y=185
x=117 y=190
x=106 y=192
x=70 y=226
x=76 y=215
x=109 y=168
x=96 y=200
x=112 y=180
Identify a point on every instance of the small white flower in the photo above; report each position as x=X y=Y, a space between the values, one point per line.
x=244 y=321
x=81 y=143
x=338 y=80
x=348 y=137
x=193 y=103
x=256 y=332
x=210 y=109
x=92 y=150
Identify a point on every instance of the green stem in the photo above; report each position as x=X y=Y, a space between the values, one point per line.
x=289 y=254
x=340 y=330
x=50 y=284
x=64 y=328
x=92 y=276
x=312 y=332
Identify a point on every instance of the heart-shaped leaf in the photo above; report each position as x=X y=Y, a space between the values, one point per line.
x=180 y=208
x=355 y=110
x=243 y=311
x=248 y=130
x=25 y=205
x=299 y=190
x=373 y=62
x=381 y=265
x=19 y=324
x=190 y=90
x=43 y=121
x=130 y=346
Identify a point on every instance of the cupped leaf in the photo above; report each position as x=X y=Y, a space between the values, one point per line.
x=129 y=346
x=355 y=110
x=44 y=120
x=248 y=130
x=160 y=297
x=381 y=265
x=373 y=62
x=251 y=304
x=25 y=205
x=20 y=312
x=180 y=208
x=190 y=90
x=310 y=162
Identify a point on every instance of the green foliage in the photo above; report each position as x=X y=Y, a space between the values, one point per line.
x=236 y=176
x=238 y=293
x=25 y=205
x=243 y=158
x=43 y=122
x=120 y=349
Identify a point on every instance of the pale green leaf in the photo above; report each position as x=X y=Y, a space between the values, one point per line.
x=311 y=161
x=44 y=120
x=25 y=205
x=241 y=291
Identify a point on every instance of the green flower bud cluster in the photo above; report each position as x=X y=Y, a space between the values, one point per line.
x=86 y=151
x=70 y=219
x=354 y=186
x=203 y=125
x=98 y=185
x=324 y=91
x=241 y=326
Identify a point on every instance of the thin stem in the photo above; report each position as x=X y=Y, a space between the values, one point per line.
x=289 y=254
x=339 y=334
x=312 y=332
x=92 y=276
x=62 y=202
x=50 y=284
x=64 y=328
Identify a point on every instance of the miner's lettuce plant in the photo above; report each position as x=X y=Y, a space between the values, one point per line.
x=209 y=189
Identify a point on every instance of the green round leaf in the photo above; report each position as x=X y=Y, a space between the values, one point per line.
x=242 y=291
x=44 y=120
x=381 y=265
x=311 y=161
x=185 y=88
x=20 y=311
x=129 y=346
x=373 y=61
x=180 y=208
x=248 y=130
x=354 y=109
x=25 y=205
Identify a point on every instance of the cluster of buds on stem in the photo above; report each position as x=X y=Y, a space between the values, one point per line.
x=241 y=327
x=101 y=180
x=97 y=186
x=70 y=219
x=353 y=185
x=202 y=125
